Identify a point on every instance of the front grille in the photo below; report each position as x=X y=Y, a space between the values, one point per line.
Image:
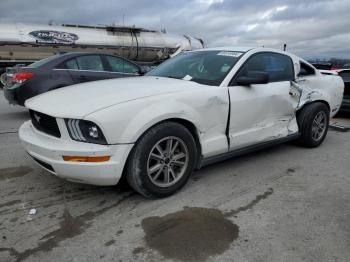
x=44 y=123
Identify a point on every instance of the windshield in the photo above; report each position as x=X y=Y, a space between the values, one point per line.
x=204 y=67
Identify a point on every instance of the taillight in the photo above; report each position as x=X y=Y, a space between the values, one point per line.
x=22 y=76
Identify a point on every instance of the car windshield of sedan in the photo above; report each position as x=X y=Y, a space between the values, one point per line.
x=204 y=67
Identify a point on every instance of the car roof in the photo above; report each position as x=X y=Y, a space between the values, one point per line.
x=74 y=54
x=245 y=49
x=228 y=48
x=85 y=53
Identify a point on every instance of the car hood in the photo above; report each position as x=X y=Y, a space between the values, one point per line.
x=78 y=101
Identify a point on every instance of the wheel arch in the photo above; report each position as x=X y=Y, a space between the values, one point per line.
x=312 y=102
x=189 y=125
x=194 y=132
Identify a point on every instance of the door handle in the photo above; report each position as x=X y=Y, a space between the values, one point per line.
x=83 y=78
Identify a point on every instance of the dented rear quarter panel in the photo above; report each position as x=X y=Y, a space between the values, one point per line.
x=327 y=88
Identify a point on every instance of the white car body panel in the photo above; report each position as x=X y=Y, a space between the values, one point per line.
x=125 y=108
x=105 y=93
x=50 y=150
x=208 y=112
x=269 y=113
x=329 y=88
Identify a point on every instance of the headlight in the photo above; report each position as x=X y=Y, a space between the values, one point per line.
x=85 y=131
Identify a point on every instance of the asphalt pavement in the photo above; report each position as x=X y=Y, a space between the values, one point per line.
x=285 y=203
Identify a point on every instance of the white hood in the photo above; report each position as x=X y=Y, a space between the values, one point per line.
x=77 y=101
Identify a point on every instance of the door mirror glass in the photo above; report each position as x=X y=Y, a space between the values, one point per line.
x=253 y=77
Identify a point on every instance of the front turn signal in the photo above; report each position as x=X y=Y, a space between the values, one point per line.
x=86 y=158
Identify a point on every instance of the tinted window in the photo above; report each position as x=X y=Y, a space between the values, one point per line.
x=90 y=62
x=120 y=65
x=279 y=67
x=306 y=70
x=71 y=64
x=344 y=73
x=204 y=67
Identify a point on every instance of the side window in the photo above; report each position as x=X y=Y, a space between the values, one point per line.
x=71 y=64
x=90 y=62
x=279 y=67
x=122 y=66
x=306 y=70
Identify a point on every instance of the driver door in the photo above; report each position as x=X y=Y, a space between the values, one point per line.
x=263 y=112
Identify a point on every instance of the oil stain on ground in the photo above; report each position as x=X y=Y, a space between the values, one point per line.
x=192 y=234
x=12 y=172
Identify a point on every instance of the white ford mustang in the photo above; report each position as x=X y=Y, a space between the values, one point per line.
x=195 y=109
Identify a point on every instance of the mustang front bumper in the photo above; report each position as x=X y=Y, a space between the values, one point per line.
x=48 y=152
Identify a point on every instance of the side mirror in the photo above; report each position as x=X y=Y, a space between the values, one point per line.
x=143 y=70
x=253 y=77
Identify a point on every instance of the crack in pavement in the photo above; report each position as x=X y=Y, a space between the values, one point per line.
x=9 y=132
x=250 y=205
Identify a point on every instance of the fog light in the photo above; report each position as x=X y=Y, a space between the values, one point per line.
x=86 y=158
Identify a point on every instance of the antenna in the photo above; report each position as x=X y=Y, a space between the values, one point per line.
x=284 y=47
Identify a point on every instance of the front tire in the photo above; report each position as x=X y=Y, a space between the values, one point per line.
x=313 y=122
x=162 y=160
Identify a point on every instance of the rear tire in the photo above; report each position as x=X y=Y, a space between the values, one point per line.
x=162 y=160
x=313 y=122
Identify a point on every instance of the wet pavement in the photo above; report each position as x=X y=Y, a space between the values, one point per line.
x=284 y=203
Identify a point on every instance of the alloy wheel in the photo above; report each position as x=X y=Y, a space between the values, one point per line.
x=319 y=126
x=167 y=161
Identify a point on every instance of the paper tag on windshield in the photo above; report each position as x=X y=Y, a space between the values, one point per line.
x=187 y=77
x=229 y=53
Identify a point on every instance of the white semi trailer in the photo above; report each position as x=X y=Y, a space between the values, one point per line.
x=25 y=43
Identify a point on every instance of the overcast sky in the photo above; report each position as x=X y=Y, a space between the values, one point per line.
x=311 y=28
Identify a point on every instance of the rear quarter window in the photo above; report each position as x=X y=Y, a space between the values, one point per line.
x=306 y=70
